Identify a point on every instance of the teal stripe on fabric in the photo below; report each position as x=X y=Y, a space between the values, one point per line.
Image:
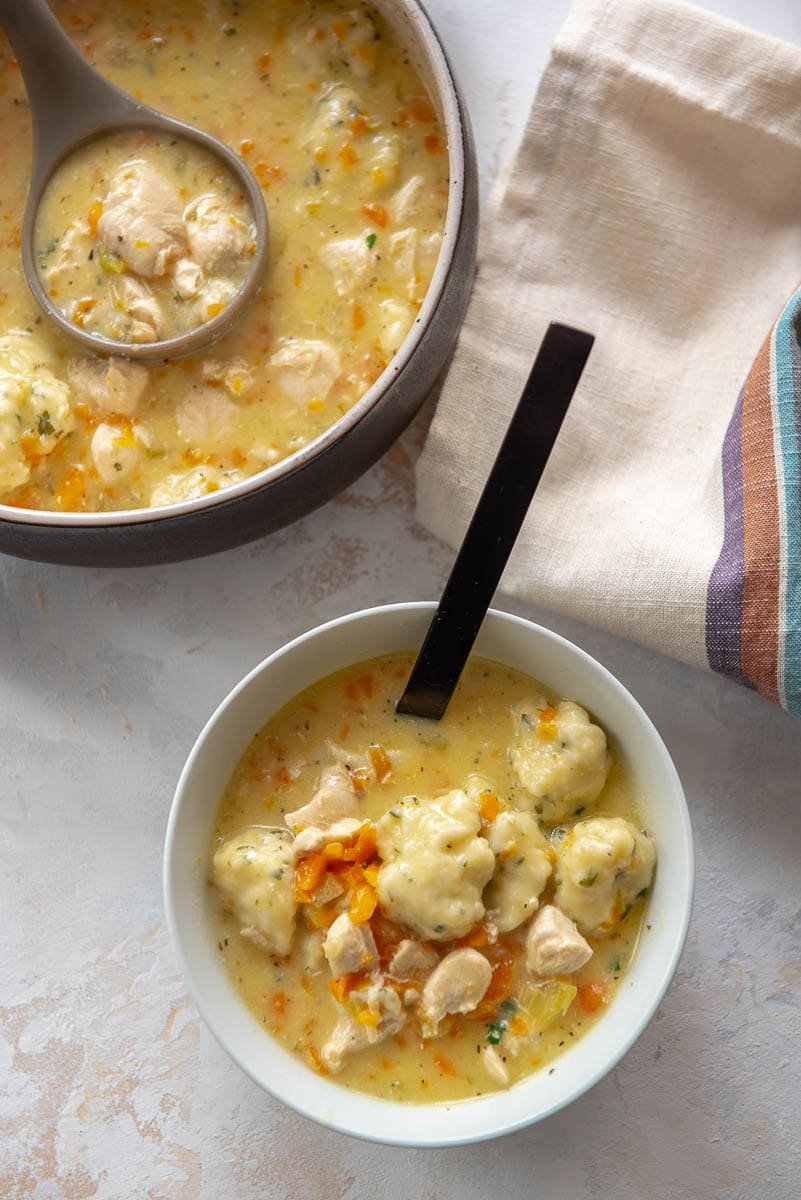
x=786 y=401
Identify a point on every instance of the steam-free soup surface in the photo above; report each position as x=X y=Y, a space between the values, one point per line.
x=428 y=934
x=324 y=105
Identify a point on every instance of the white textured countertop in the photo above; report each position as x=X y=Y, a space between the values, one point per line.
x=110 y=1087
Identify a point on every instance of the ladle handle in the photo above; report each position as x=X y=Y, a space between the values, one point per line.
x=496 y=521
x=68 y=97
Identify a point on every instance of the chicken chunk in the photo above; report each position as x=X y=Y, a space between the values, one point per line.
x=116 y=452
x=494 y=1065
x=254 y=871
x=316 y=43
x=233 y=374
x=405 y=204
x=412 y=962
x=141 y=220
x=73 y=250
x=114 y=385
x=334 y=799
x=523 y=867
x=349 y=949
x=348 y=1038
x=312 y=838
x=335 y=109
x=137 y=315
x=349 y=260
x=435 y=864
x=382 y=1007
x=35 y=406
x=602 y=865
x=305 y=369
x=414 y=258
x=218 y=239
x=456 y=985
x=189 y=485
x=558 y=755
x=203 y=416
x=553 y=944
x=188 y=278
x=396 y=318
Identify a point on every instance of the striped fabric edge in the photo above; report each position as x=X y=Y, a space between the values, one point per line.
x=753 y=609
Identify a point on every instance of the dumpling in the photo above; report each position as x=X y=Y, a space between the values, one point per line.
x=558 y=755
x=523 y=859
x=254 y=871
x=602 y=865
x=435 y=864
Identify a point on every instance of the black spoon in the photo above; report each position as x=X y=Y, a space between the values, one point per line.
x=496 y=522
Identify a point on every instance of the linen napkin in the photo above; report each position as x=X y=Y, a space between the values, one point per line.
x=656 y=202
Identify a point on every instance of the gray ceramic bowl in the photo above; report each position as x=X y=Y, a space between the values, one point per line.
x=303 y=481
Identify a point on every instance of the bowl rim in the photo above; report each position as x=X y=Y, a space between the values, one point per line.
x=435 y=58
x=494 y=1128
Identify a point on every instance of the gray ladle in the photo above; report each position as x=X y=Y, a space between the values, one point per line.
x=71 y=103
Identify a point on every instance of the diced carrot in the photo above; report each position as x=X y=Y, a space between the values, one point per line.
x=363 y=904
x=214 y=309
x=95 y=213
x=475 y=938
x=342 y=987
x=263 y=62
x=358 y=126
x=339 y=29
x=364 y=51
x=309 y=874
x=82 y=307
x=368 y=1017
x=422 y=109
x=360 y=778
x=348 y=156
x=433 y=144
x=593 y=996
x=367 y=684
x=357 y=317
x=490 y=806
x=503 y=973
x=445 y=1065
x=375 y=213
x=364 y=846
x=352 y=692
x=246 y=146
x=382 y=763
x=518 y=1025
x=547 y=714
x=71 y=491
x=279 y=1003
x=370 y=873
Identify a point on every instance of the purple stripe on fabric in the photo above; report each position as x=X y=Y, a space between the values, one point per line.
x=724 y=598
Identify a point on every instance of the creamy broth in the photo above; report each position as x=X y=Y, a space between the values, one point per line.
x=523 y=1022
x=328 y=111
x=140 y=238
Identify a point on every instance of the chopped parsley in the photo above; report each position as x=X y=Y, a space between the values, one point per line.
x=371 y=239
x=44 y=424
x=589 y=880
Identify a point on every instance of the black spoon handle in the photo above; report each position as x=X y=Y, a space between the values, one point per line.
x=496 y=521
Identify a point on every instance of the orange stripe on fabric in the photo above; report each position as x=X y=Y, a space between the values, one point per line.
x=760 y=648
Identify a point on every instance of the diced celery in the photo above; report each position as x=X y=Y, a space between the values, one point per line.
x=542 y=1003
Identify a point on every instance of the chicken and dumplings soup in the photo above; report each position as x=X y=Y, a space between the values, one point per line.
x=429 y=910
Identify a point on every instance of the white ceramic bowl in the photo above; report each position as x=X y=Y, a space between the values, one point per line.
x=506 y=639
